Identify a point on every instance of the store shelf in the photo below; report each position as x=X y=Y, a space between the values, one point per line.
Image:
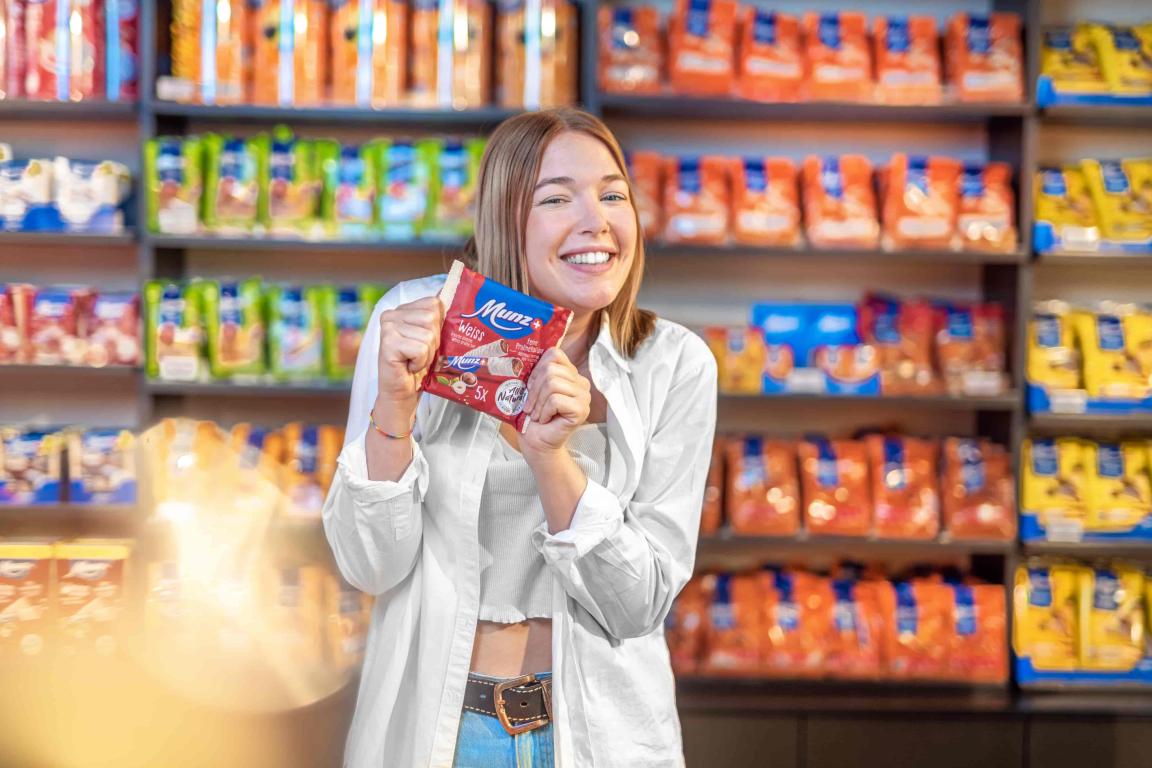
x=1096 y=260
x=418 y=118
x=690 y=108
x=1009 y=401
x=1116 y=701
x=70 y=111
x=727 y=543
x=233 y=389
x=67 y=520
x=1133 y=549
x=1110 y=116
x=83 y=372
x=8 y=239
x=1090 y=424
x=278 y=244
x=666 y=250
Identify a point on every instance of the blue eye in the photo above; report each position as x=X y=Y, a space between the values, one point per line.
x=551 y=200
x=615 y=197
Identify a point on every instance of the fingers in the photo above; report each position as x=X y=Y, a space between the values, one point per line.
x=553 y=374
x=573 y=409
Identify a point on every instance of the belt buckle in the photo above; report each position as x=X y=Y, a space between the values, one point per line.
x=502 y=714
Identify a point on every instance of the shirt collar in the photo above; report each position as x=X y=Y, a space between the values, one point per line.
x=605 y=342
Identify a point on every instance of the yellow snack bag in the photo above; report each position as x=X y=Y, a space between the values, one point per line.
x=1119 y=490
x=1055 y=482
x=1112 y=367
x=1111 y=618
x=1046 y=629
x=1123 y=210
x=1126 y=69
x=1052 y=357
x=1070 y=59
x=1063 y=200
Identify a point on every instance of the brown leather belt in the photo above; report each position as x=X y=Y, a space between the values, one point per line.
x=521 y=704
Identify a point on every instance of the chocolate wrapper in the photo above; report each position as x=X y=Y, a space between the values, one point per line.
x=491 y=341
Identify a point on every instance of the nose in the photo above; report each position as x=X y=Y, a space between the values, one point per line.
x=593 y=220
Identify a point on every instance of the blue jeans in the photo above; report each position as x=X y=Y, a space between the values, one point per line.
x=483 y=743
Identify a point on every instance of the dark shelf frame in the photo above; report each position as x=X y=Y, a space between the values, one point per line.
x=424 y=119
x=279 y=244
x=1095 y=259
x=1007 y=402
x=237 y=389
x=659 y=250
x=1091 y=424
x=68 y=111
x=57 y=239
x=729 y=543
x=1106 y=115
x=1085 y=549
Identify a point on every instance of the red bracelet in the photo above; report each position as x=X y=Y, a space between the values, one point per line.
x=405 y=436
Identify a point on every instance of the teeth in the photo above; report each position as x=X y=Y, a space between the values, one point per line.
x=593 y=257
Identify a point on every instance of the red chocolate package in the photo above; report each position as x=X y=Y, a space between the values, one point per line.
x=13 y=53
x=902 y=333
x=76 y=75
x=491 y=340
x=11 y=335
x=58 y=325
x=114 y=333
x=970 y=348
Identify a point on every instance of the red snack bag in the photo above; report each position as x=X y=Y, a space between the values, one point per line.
x=79 y=73
x=713 y=509
x=491 y=340
x=979 y=651
x=987 y=220
x=920 y=629
x=631 y=50
x=763 y=490
x=702 y=44
x=12 y=338
x=970 y=348
x=985 y=57
x=902 y=334
x=696 y=200
x=921 y=198
x=765 y=201
x=121 y=63
x=647 y=172
x=769 y=67
x=13 y=49
x=838 y=59
x=977 y=488
x=734 y=618
x=114 y=334
x=907 y=59
x=904 y=487
x=797 y=620
x=687 y=625
x=834 y=479
x=839 y=203
x=57 y=326
x=855 y=642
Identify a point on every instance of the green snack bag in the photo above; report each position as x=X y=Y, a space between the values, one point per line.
x=234 y=315
x=455 y=169
x=173 y=330
x=402 y=200
x=350 y=181
x=234 y=169
x=347 y=310
x=295 y=331
x=174 y=183
x=293 y=185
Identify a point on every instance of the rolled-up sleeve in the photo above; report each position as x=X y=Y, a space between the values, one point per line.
x=625 y=563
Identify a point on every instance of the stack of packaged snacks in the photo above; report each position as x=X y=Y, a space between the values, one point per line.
x=787 y=622
x=61 y=194
x=79 y=466
x=313 y=189
x=884 y=486
x=1095 y=206
x=31 y=466
x=68 y=325
x=1095 y=63
x=720 y=48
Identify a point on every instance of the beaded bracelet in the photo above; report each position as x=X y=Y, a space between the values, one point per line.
x=372 y=421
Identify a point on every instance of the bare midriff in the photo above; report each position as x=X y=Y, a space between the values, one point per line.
x=510 y=650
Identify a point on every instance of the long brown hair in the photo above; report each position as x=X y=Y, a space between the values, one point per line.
x=508 y=174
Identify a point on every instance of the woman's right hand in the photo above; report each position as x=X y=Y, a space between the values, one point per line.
x=409 y=339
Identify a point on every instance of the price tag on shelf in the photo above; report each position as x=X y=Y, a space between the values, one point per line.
x=1068 y=400
x=808 y=381
x=1065 y=531
x=983 y=383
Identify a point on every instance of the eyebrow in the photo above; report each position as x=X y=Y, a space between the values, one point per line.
x=568 y=181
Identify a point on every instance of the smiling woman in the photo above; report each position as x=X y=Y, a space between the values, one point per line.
x=523 y=579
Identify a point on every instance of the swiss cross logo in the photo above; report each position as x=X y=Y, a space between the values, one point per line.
x=537 y=325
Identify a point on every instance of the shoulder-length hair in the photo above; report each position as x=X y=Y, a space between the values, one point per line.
x=508 y=173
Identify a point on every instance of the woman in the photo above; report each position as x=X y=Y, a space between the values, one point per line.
x=500 y=558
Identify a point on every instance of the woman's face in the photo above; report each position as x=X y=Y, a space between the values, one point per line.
x=581 y=235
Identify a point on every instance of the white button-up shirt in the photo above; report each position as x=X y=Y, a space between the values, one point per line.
x=617 y=569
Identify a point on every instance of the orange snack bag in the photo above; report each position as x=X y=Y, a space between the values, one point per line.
x=740 y=358
x=920 y=629
x=687 y=625
x=978 y=492
x=369 y=52
x=839 y=203
x=696 y=200
x=797 y=616
x=422 y=52
x=834 y=480
x=517 y=34
x=907 y=59
x=631 y=50
x=979 y=650
x=233 y=38
x=987 y=220
x=902 y=334
x=647 y=172
x=765 y=202
x=763 y=489
x=904 y=488
x=921 y=198
x=290 y=69
x=734 y=619
x=713 y=508
x=839 y=63
x=855 y=642
x=985 y=58
x=702 y=44
x=769 y=67
x=472 y=61
x=970 y=348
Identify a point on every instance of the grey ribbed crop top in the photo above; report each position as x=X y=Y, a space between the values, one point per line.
x=515 y=583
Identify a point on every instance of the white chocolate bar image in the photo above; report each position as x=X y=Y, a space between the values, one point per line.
x=498 y=348
x=505 y=366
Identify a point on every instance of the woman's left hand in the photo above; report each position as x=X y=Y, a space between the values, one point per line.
x=558 y=401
